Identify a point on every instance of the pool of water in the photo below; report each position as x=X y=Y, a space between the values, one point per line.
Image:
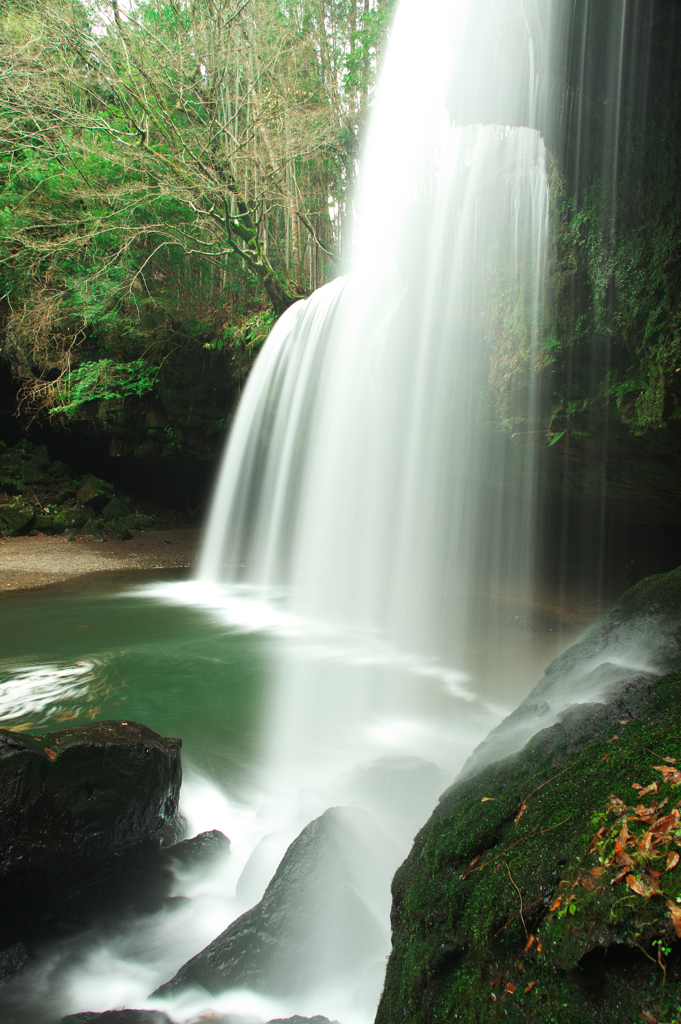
x=279 y=719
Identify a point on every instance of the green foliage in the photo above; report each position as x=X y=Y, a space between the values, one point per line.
x=104 y=379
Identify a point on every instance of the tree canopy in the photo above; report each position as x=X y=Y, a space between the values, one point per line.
x=171 y=172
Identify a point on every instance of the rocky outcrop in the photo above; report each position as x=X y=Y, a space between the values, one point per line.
x=636 y=640
x=545 y=885
x=40 y=496
x=311 y=925
x=73 y=804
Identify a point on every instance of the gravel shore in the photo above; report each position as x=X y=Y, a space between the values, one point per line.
x=29 y=562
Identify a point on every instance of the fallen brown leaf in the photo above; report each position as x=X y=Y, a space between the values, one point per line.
x=612 y=739
x=510 y=988
x=530 y=987
x=496 y=980
x=557 y=903
x=645 y=843
x=486 y=799
x=675 y=915
x=672 y=860
x=643 y=791
x=530 y=942
x=638 y=887
x=474 y=861
x=664 y=825
x=521 y=810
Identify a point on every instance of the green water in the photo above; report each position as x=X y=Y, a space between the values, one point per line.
x=171 y=667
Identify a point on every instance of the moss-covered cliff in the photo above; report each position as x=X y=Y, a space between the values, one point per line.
x=546 y=887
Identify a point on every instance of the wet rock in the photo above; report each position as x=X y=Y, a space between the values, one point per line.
x=635 y=641
x=72 y=804
x=311 y=926
x=302 y=1020
x=13 y=961
x=202 y=847
x=119 y=1017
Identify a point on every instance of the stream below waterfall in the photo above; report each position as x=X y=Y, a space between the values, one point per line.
x=383 y=732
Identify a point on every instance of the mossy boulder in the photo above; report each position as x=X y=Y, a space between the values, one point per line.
x=16 y=516
x=72 y=518
x=72 y=803
x=115 y=510
x=546 y=886
x=94 y=492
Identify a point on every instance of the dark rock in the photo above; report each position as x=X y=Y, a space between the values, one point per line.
x=72 y=804
x=31 y=473
x=61 y=469
x=636 y=640
x=119 y=1017
x=18 y=515
x=94 y=492
x=302 y=1020
x=13 y=961
x=310 y=927
x=72 y=518
x=202 y=847
x=115 y=510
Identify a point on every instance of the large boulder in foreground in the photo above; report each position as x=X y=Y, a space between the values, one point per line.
x=547 y=886
x=311 y=926
x=72 y=803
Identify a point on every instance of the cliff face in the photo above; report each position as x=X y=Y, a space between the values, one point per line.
x=545 y=886
x=606 y=371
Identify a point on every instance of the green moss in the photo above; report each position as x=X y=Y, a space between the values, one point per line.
x=459 y=935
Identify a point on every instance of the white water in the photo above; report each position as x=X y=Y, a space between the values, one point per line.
x=372 y=510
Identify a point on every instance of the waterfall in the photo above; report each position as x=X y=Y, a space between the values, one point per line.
x=370 y=484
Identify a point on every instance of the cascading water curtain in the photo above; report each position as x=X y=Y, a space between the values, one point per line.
x=372 y=481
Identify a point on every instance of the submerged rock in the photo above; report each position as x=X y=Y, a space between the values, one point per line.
x=119 y=1017
x=310 y=926
x=72 y=803
x=545 y=885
